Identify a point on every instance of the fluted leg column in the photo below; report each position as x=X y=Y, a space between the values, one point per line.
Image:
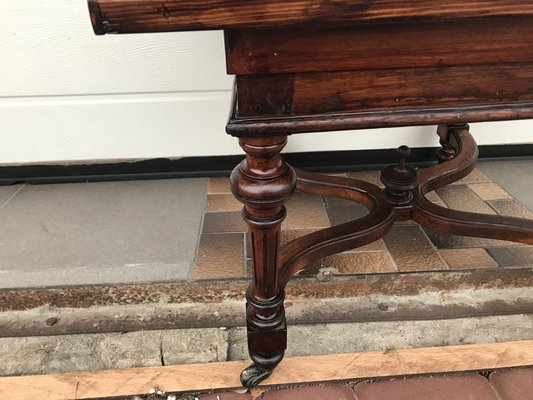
x=263 y=182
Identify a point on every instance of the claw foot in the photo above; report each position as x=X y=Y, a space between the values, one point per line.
x=254 y=375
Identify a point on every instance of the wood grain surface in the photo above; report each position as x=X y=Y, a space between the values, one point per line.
x=84 y=385
x=375 y=46
x=129 y=16
x=302 y=94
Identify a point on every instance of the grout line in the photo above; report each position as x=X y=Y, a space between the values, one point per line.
x=13 y=195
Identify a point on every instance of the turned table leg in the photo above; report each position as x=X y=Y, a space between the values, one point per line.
x=263 y=182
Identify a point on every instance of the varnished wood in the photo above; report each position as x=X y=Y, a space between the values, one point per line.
x=459 y=222
x=424 y=115
x=379 y=46
x=137 y=16
x=223 y=375
x=390 y=89
x=317 y=65
x=263 y=182
x=458 y=167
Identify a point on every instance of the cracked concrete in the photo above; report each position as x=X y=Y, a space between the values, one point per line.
x=84 y=352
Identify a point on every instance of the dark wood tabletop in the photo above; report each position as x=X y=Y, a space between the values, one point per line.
x=321 y=65
x=136 y=16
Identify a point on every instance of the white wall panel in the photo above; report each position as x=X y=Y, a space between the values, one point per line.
x=67 y=95
x=48 y=48
x=114 y=127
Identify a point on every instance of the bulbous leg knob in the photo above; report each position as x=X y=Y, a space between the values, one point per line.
x=254 y=375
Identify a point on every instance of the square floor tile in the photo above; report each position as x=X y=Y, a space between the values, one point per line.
x=220 y=255
x=107 y=232
x=468 y=258
x=412 y=250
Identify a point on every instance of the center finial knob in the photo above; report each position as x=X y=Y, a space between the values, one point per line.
x=399 y=179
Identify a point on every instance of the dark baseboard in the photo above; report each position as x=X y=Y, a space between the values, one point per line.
x=163 y=168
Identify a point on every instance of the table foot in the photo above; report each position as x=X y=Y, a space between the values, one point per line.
x=254 y=375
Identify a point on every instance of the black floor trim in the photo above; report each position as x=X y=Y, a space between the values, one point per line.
x=163 y=168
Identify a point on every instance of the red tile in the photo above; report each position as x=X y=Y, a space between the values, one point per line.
x=515 y=384
x=327 y=392
x=469 y=387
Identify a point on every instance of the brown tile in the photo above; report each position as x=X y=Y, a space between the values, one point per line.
x=476 y=176
x=462 y=198
x=513 y=256
x=224 y=222
x=378 y=245
x=306 y=211
x=340 y=210
x=326 y=392
x=411 y=249
x=340 y=215
x=220 y=255
x=515 y=384
x=511 y=208
x=367 y=176
x=225 y=396
x=222 y=203
x=357 y=263
x=469 y=387
x=435 y=198
x=291 y=234
x=447 y=241
x=489 y=191
x=218 y=186
x=467 y=258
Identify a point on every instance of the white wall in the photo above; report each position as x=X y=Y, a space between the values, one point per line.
x=68 y=95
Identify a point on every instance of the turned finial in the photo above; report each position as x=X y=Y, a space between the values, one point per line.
x=404 y=152
x=399 y=179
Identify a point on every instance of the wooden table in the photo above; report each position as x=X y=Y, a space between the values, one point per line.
x=319 y=65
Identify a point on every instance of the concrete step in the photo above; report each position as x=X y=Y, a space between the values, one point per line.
x=89 y=352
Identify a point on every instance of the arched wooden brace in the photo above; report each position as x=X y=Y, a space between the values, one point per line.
x=301 y=252
x=464 y=162
x=456 y=222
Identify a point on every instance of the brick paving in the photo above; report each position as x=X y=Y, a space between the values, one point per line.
x=224 y=231
x=512 y=384
x=509 y=384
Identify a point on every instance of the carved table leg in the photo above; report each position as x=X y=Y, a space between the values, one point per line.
x=263 y=182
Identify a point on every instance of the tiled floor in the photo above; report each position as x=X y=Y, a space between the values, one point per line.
x=183 y=229
x=224 y=251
